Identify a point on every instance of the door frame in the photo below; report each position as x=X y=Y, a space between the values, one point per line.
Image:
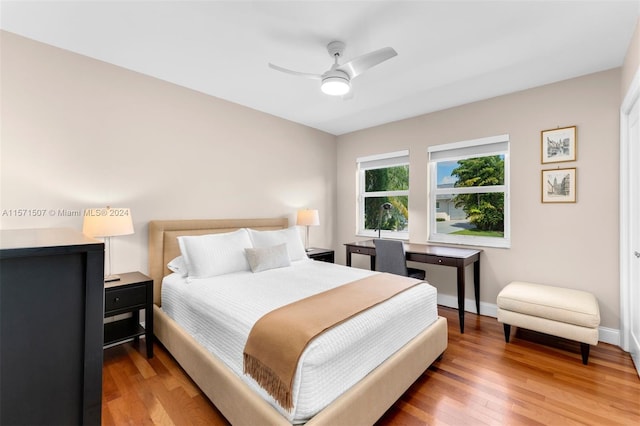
x=631 y=98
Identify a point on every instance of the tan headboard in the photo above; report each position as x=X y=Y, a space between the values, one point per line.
x=163 y=240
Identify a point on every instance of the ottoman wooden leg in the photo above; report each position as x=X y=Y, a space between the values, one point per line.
x=584 y=348
x=507 y=332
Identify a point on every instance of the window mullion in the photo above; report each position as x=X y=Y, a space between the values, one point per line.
x=403 y=193
x=471 y=190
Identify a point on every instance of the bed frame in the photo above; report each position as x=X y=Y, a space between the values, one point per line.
x=363 y=404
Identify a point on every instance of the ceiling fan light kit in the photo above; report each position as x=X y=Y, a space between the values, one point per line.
x=335 y=85
x=337 y=80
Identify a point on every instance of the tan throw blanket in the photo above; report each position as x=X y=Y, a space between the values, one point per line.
x=277 y=340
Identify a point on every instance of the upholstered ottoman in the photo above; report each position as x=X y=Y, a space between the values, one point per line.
x=560 y=312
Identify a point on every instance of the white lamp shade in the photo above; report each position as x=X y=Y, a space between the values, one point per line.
x=308 y=217
x=107 y=222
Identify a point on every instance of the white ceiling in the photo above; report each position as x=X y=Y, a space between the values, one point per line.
x=449 y=52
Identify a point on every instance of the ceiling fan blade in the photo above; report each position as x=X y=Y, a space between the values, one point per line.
x=300 y=74
x=358 y=65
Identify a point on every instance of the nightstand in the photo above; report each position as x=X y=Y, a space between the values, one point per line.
x=134 y=291
x=323 y=255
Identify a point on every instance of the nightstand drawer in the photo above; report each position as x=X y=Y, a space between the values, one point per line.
x=321 y=254
x=116 y=299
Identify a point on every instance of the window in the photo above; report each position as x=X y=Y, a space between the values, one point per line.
x=383 y=195
x=469 y=192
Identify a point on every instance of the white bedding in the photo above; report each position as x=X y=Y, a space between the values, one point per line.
x=220 y=311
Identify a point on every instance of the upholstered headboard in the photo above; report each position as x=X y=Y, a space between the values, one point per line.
x=163 y=240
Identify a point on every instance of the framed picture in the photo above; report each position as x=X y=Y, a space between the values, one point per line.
x=559 y=186
x=558 y=145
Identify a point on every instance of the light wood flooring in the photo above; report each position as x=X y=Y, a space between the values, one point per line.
x=481 y=380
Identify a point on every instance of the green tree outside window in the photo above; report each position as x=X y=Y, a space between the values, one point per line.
x=384 y=180
x=484 y=210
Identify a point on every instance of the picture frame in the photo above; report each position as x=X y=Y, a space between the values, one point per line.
x=559 y=185
x=558 y=145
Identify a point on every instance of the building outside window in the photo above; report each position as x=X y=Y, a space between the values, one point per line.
x=383 y=195
x=469 y=192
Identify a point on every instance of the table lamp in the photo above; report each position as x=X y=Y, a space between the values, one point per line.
x=107 y=222
x=308 y=217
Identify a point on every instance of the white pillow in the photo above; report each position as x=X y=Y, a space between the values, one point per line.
x=179 y=266
x=290 y=236
x=264 y=258
x=215 y=254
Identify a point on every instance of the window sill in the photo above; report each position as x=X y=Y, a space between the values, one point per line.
x=384 y=234
x=470 y=241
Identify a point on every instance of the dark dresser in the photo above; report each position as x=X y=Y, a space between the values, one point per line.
x=51 y=327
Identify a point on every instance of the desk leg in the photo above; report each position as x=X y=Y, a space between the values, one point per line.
x=372 y=262
x=461 y=288
x=476 y=283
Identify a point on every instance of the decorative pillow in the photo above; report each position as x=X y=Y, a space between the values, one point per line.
x=264 y=258
x=179 y=266
x=215 y=254
x=290 y=236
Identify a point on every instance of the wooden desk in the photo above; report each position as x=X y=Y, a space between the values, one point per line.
x=436 y=255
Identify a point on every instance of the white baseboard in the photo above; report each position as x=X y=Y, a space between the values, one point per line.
x=609 y=335
x=605 y=334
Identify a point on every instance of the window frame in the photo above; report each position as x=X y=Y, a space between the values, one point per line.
x=475 y=148
x=379 y=161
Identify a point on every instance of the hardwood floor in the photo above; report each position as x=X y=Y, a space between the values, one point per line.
x=481 y=380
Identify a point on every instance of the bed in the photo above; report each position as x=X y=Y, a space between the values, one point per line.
x=363 y=403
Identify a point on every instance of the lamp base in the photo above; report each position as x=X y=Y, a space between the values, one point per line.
x=110 y=278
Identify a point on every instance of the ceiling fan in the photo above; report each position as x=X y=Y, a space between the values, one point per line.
x=337 y=80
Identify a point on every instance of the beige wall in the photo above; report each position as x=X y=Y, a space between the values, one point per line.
x=571 y=245
x=631 y=61
x=80 y=133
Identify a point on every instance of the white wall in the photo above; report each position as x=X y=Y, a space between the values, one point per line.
x=571 y=245
x=79 y=133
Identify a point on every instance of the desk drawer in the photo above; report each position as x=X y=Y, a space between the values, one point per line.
x=432 y=259
x=447 y=261
x=363 y=250
x=124 y=298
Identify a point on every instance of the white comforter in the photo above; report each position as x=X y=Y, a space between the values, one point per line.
x=220 y=311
